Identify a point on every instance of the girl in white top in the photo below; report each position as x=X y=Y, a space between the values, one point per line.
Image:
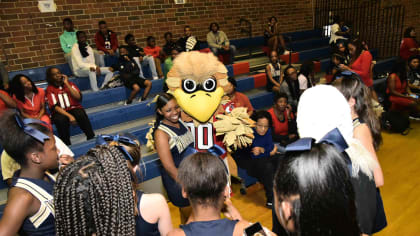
x=273 y=71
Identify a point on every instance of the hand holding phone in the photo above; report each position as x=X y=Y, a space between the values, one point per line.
x=255 y=230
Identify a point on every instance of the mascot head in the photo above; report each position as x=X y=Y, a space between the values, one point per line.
x=196 y=80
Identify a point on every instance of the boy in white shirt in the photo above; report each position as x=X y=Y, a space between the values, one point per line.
x=83 y=62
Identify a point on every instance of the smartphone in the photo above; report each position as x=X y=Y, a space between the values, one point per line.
x=414 y=96
x=255 y=230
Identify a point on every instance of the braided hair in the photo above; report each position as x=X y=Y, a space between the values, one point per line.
x=162 y=100
x=94 y=194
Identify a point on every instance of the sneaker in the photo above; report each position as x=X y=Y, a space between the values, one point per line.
x=269 y=204
x=414 y=116
x=155 y=78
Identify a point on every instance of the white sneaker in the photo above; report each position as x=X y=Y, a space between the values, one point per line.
x=155 y=78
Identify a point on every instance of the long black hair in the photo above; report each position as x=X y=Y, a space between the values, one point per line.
x=94 y=194
x=326 y=200
x=17 y=89
x=407 y=32
x=359 y=48
x=352 y=87
x=162 y=100
x=15 y=141
x=400 y=69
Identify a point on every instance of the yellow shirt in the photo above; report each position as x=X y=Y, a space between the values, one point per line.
x=8 y=166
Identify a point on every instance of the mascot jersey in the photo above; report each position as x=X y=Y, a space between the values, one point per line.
x=196 y=80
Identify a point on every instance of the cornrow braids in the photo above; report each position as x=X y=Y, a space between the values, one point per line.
x=94 y=194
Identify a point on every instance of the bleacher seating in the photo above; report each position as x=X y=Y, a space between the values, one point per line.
x=107 y=115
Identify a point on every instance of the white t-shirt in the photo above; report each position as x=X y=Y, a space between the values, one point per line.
x=303 y=82
x=334 y=29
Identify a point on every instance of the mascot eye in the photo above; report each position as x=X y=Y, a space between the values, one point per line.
x=189 y=85
x=209 y=85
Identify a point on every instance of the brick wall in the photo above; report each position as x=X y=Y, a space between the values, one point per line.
x=30 y=38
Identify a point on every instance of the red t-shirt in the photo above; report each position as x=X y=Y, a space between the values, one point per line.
x=3 y=105
x=155 y=52
x=280 y=128
x=241 y=100
x=406 y=45
x=32 y=107
x=61 y=96
x=362 y=67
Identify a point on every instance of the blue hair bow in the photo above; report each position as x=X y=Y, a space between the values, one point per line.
x=34 y=133
x=333 y=137
x=103 y=139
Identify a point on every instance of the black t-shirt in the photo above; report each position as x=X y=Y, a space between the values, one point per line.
x=167 y=48
x=128 y=69
x=135 y=51
x=182 y=43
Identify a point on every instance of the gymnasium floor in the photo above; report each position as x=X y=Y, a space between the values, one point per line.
x=399 y=157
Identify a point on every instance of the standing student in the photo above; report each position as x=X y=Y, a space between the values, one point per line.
x=30 y=199
x=409 y=45
x=151 y=210
x=273 y=72
x=83 y=61
x=204 y=181
x=172 y=140
x=130 y=75
x=64 y=99
x=138 y=54
x=366 y=129
x=30 y=100
x=360 y=62
x=313 y=191
x=68 y=39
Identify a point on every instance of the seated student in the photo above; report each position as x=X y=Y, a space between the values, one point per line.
x=336 y=33
x=119 y=157
x=273 y=72
x=284 y=122
x=337 y=59
x=204 y=181
x=83 y=62
x=306 y=75
x=32 y=146
x=313 y=193
x=130 y=75
x=137 y=53
x=6 y=101
x=68 y=39
x=399 y=92
x=106 y=41
x=237 y=98
x=168 y=64
x=413 y=75
x=155 y=51
x=188 y=42
x=64 y=99
x=219 y=42
x=272 y=37
x=257 y=159
x=30 y=100
x=290 y=86
x=4 y=77
x=409 y=45
x=170 y=43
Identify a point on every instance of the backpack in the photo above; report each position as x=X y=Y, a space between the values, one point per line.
x=395 y=122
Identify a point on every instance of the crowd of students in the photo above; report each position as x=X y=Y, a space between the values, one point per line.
x=315 y=142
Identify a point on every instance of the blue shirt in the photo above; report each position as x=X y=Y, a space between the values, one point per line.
x=265 y=141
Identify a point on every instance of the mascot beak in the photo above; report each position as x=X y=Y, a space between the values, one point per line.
x=200 y=104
